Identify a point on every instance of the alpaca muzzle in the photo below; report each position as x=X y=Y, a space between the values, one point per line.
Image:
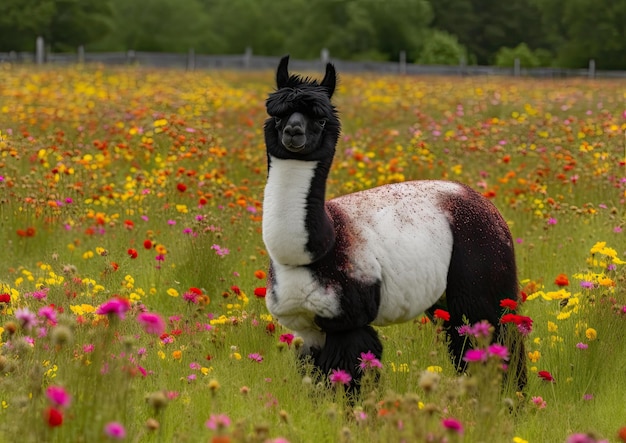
x=294 y=133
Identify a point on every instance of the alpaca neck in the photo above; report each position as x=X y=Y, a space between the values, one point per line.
x=296 y=227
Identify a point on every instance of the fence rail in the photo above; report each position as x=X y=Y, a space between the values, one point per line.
x=191 y=61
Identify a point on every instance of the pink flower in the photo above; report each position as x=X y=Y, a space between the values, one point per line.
x=339 y=376
x=27 y=318
x=114 y=306
x=58 y=396
x=218 y=421
x=499 y=351
x=255 y=357
x=49 y=314
x=115 y=430
x=475 y=355
x=452 y=424
x=286 y=338
x=540 y=402
x=152 y=323
x=369 y=361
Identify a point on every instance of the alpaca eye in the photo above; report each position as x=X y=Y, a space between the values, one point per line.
x=322 y=122
x=277 y=120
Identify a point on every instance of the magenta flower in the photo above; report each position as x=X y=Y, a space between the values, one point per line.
x=286 y=338
x=26 y=318
x=369 y=361
x=58 y=396
x=475 y=355
x=340 y=377
x=49 y=314
x=114 y=306
x=582 y=345
x=499 y=351
x=255 y=357
x=152 y=323
x=218 y=421
x=452 y=424
x=115 y=430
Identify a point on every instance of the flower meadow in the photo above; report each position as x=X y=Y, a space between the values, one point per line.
x=132 y=268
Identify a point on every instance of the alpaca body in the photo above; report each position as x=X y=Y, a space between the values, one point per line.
x=375 y=257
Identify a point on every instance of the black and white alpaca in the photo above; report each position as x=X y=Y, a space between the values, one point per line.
x=375 y=257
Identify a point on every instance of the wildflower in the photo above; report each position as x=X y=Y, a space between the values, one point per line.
x=132 y=253
x=498 y=350
x=147 y=244
x=286 y=338
x=53 y=417
x=27 y=318
x=369 y=361
x=181 y=187
x=582 y=345
x=261 y=275
x=591 y=334
x=583 y=438
x=255 y=357
x=452 y=424
x=190 y=297
x=5 y=298
x=561 y=280
x=172 y=292
x=534 y=356
x=508 y=304
x=220 y=250
x=429 y=380
x=218 y=422
x=39 y=294
x=540 y=402
x=260 y=292
x=545 y=375
x=115 y=306
x=524 y=324
x=475 y=355
x=441 y=314
x=115 y=430
x=49 y=314
x=58 y=396
x=481 y=329
x=339 y=376
x=152 y=323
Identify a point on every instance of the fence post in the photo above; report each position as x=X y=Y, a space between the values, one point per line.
x=324 y=56
x=81 y=54
x=191 y=60
x=462 y=65
x=130 y=57
x=402 y=62
x=247 y=57
x=592 y=68
x=39 y=51
x=516 y=67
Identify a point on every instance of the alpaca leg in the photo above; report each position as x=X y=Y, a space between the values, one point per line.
x=343 y=350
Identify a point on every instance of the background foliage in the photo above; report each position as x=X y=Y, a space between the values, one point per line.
x=563 y=33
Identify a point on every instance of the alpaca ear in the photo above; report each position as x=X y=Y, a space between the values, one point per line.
x=282 y=73
x=330 y=79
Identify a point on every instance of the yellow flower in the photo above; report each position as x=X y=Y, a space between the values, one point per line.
x=236 y=355
x=552 y=327
x=172 y=292
x=161 y=355
x=534 y=356
x=591 y=334
x=435 y=369
x=519 y=440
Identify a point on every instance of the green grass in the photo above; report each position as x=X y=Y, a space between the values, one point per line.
x=93 y=163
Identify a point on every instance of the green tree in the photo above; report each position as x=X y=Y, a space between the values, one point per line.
x=21 y=21
x=586 y=29
x=527 y=59
x=442 y=48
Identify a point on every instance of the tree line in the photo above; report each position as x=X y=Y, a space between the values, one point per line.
x=556 y=33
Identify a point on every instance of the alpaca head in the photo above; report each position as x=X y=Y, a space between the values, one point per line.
x=303 y=123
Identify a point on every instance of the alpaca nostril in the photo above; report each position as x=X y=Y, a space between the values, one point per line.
x=294 y=130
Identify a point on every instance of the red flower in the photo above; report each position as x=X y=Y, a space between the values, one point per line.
x=523 y=323
x=53 y=417
x=181 y=187
x=5 y=298
x=129 y=224
x=132 y=252
x=508 y=304
x=561 y=280
x=260 y=292
x=270 y=328
x=545 y=375
x=147 y=244
x=443 y=315
x=195 y=291
x=235 y=289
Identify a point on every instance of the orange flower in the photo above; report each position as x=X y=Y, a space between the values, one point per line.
x=561 y=280
x=260 y=274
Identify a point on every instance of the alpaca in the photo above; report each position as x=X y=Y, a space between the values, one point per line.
x=374 y=257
